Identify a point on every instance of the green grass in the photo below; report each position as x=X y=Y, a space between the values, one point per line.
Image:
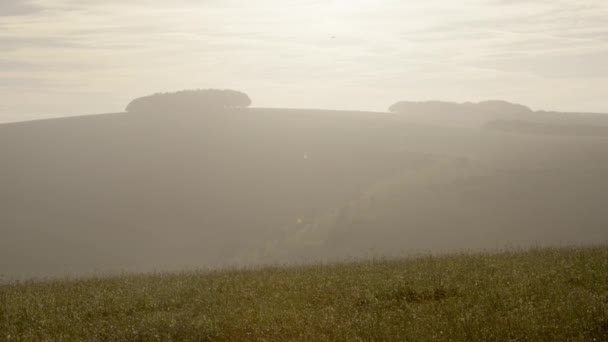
x=534 y=295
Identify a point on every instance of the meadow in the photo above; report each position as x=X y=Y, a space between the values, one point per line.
x=538 y=294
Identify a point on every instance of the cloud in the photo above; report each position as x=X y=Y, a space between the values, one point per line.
x=573 y=67
x=436 y=48
x=39 y=43
x=17 y=8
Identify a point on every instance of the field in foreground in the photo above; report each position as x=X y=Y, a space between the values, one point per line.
x=535 y=295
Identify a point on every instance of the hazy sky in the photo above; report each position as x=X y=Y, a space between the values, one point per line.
x=64 y=57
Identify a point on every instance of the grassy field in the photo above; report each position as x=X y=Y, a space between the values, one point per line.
x=533 y=295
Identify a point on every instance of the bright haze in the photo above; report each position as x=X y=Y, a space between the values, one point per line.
x=247 y=133
x=69 y=57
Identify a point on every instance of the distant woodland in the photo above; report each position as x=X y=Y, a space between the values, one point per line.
x=485 y=107
x=189 y=100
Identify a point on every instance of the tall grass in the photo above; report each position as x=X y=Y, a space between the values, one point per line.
x=535 y=295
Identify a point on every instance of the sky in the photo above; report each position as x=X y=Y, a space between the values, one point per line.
x=71 y=57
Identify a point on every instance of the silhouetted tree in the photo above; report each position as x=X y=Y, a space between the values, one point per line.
x=190 y=100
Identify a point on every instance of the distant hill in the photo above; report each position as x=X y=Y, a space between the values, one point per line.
x=470 y=114
x=169 y=189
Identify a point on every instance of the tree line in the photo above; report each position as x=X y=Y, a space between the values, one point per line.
x=190 y=100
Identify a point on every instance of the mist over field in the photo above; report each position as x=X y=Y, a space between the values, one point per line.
x=303 y=170
x=434 y=127
x=196 y=179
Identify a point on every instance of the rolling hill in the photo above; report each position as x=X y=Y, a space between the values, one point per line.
x=167 y=191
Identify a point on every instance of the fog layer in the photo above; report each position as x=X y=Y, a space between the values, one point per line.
x=169 y=190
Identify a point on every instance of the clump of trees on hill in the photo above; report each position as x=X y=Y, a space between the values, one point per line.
x=190 y=100
x=440 y=107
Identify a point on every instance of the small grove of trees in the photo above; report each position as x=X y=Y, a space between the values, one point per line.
x=496 y=107
x=190 y=100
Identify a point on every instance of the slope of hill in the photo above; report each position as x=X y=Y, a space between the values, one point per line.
x=166 y=191
x=476 y=211
x=139 y=192
x=536 y=295
x=530 y=127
